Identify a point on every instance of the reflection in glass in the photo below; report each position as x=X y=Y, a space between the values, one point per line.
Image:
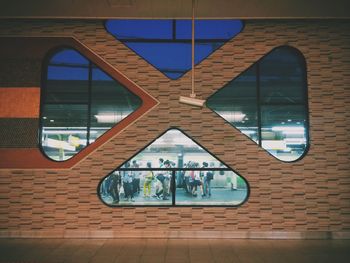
x=173 y=152
x=110 y=103
x=283 y=131
x=213 y=187
x=236 y=103
x=166 y=44
x=79 y=103
x=268 y=103
x=282 y=77
x=64 y=131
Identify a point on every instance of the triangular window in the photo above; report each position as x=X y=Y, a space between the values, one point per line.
x=166 y=43
x=173 y=170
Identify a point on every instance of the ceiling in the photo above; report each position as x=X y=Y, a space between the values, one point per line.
x=244 y=9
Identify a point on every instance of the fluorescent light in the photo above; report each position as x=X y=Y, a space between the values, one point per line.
x=232 y=116
x=289 y=129
x=248 y=132
x=58 y=144
x=67 y=132
x=110 y=118
x=295 y=141
x=274 y=145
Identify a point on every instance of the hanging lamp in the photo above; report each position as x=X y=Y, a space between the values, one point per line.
x=191 y=100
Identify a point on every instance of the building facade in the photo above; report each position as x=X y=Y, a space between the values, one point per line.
x=306 y=198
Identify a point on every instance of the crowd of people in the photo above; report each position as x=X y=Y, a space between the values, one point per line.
x=157 y=184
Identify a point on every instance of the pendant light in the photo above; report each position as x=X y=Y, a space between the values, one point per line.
x=192 y=99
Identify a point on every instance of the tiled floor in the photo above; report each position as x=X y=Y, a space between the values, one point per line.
x=173 y=250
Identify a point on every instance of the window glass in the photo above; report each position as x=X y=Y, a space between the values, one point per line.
x=188 y=175
x=110 y=103
x=79 y=103
x=69 y=57
x=225 y=188
x=64 y=130
x=166 y=44
x=208 y=29
x=268 y=103
x=283 y=131
x=140 y=29
x=282 y=77
x=237 y=103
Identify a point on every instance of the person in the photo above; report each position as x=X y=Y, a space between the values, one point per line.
x=159 y=181
x=188 y=178
x=203 y=177
x=135 y=178
x=233 y=181
x=127 y=184
x=114 y=186
x=148 y=181
x=166 y=180
x=209 y=175
x=196 y=181
x=104 y=187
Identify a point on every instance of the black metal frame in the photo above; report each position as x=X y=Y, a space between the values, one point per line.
x=173 y=170
x=259 y=103
x=43 y=96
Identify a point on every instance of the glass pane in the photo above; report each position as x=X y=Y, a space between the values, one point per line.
x=173 y=58
x=284 y=131
x=210 y=188
x=67 y=78
x=111 y=102
x=140 y=28
x=166 y=44
x=64 y=130
x=69 y=57
x=176 y=148
x=237 y=103
x=137 y=188
x=208 y=29
x=282 y=74
x=66 y=90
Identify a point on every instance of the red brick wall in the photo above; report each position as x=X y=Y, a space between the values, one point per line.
x=308 y=196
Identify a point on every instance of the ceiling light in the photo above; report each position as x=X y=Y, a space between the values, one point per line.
x=109 y=118
x=233 y=116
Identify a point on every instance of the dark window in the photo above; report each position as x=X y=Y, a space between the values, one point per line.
x=268 y=103
x=188 y=175
x=166 y=44
x=79 y=103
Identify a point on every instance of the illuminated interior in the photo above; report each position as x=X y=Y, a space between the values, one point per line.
x=173 y=170
x=268 y=103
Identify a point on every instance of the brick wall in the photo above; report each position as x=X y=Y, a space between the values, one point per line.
x=287 y=199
